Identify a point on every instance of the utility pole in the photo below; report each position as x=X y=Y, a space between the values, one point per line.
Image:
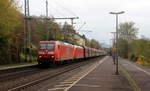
x=71 y=18
x=114 y=39
x=46 y=9
x=113 y=47
x=47 y=21
x=117 y=13
x=27 y=32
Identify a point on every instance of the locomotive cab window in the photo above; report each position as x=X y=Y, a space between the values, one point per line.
x=42 y=46
x=50 y=46
x=47 y=46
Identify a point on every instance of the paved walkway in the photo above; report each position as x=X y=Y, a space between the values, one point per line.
x=103 y=78
x=18 y=66
x=140 y=74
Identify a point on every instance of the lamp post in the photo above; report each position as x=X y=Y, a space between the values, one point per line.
x=113 y=46
x=117 y=13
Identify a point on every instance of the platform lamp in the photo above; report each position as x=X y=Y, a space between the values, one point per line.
x=117 y=13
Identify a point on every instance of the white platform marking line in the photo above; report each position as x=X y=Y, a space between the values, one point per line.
x=65 y=82
x=62 y=85
x=54 y=89
x=87 y=85
x=100 y=62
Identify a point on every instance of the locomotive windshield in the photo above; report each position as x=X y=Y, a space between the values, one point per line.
x=47 y=46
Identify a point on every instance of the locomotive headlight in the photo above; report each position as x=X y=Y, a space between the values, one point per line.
x=50 y=52
x=41 y=52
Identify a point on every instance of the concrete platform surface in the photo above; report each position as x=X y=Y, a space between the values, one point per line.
x=17 y=66
x=103 y=78
x=140 y=74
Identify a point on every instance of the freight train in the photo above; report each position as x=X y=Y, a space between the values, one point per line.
x=57 y=51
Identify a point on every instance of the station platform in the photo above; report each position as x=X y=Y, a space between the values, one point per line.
x=103 y=78
x=17 y=66
x=139 y=74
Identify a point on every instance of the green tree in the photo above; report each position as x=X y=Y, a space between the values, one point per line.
x=140 y=47
x=127 y=33
x=44 y=29
x=9 y=20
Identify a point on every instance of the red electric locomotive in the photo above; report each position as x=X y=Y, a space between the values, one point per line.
x=57 y=51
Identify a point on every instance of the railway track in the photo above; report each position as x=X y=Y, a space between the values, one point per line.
x=14 y=75
x=33 y=77
x=9 y=73
x=69 y=68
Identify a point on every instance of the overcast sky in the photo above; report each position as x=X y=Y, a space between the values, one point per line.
x=96 y=14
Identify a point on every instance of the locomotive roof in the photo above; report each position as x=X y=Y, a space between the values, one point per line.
x=60 y=42
x=67 y=44
x=78 y=46
x=47 y=41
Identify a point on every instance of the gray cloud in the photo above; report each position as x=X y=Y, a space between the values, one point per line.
x=96 y=14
